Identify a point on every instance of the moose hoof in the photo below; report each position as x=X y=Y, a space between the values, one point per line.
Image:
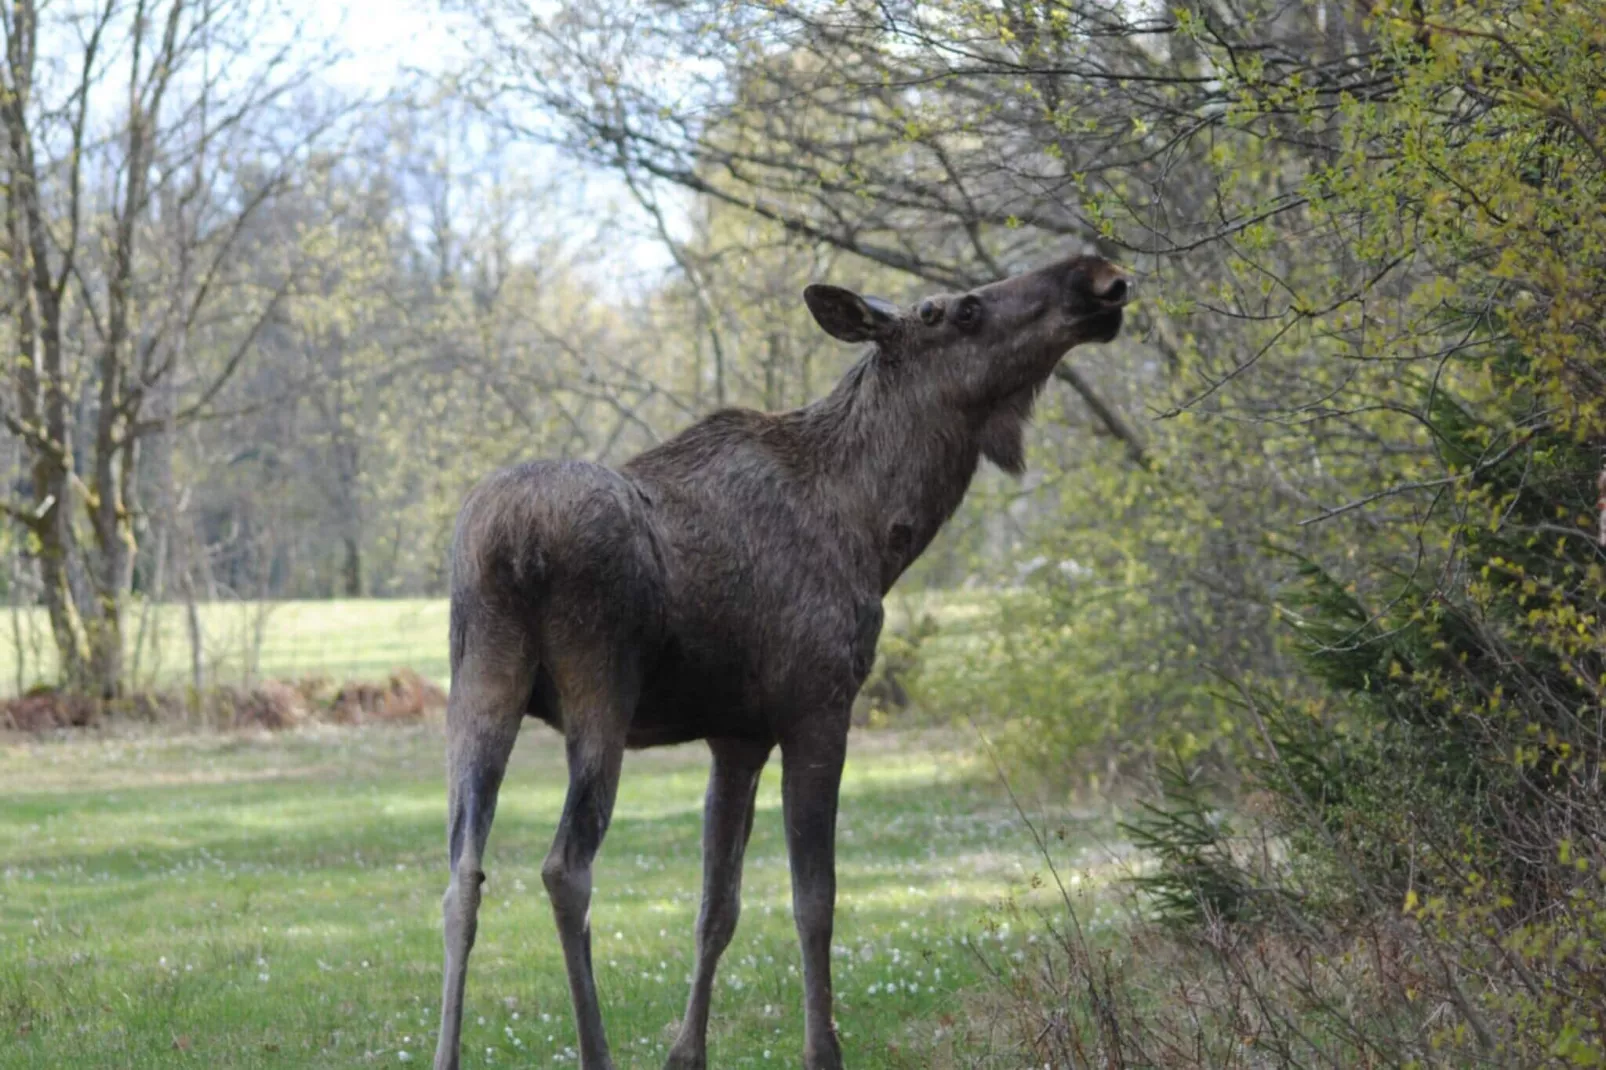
x=683 y=1060
x=827 y=1056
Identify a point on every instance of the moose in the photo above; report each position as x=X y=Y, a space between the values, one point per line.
x=726 y=586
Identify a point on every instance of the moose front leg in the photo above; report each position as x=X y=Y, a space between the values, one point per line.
x=810 y=778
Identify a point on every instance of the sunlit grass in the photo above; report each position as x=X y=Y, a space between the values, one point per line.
x=273 y=901
x=342 y=639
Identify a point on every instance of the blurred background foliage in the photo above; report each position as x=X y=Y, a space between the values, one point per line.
x=1319 y=531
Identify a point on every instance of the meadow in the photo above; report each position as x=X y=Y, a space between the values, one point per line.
x=272 y=901
x=354 y=638
x=343 y=639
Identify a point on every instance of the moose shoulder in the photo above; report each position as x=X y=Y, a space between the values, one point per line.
x=727 y=586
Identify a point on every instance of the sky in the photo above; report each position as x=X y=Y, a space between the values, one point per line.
x=391 y=44
x=385 y=39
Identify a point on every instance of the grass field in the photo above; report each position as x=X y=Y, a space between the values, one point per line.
x=355 y=638
x=345 y=639
x=253 y=901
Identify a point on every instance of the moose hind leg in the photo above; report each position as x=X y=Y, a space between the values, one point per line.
x=482 y=722
x=596 y=728
x=727 y=824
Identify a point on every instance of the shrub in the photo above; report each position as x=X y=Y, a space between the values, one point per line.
x=1080 y=671
x=1440 y=794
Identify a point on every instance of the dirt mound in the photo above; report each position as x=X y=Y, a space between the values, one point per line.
x=43 y=709
x=406 y=696
x=152 y=706
x=272 y=705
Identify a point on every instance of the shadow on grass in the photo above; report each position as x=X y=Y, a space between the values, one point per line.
x=295 y=829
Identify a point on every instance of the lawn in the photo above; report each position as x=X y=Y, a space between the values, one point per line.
x=344 y=639
x=272 y=901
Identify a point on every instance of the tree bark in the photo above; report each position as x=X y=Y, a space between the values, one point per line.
x=351 y=573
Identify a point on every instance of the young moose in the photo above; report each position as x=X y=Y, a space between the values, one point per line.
x=727 y=586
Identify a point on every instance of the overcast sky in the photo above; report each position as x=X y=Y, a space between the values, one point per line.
x=389 y=42
x=384 y=38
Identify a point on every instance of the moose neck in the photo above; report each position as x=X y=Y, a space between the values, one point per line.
x=896 y=462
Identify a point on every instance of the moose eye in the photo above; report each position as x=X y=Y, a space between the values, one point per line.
x=968 y=314
x=930 y=312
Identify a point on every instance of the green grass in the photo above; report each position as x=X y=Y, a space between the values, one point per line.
x=357 y=638
x=251 y=901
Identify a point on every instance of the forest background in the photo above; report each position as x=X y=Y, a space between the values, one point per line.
x=1320 y=531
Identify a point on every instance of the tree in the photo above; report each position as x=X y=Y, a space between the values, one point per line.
x=1250 y=159
x=138 y=147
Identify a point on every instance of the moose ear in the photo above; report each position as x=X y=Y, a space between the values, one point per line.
x=846 y=316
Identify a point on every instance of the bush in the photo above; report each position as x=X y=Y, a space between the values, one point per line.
x=1440 y=796
x=900 y=656
x=1435 y=770
x=1081 y=672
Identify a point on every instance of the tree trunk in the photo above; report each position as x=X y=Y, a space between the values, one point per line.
x=192 y=623
x=193 y=557
x=114 y=537
x=111 y=604
x=53 y=483
x=89 y=302
x=19 y=652
x=105 y=677
x=351 y=574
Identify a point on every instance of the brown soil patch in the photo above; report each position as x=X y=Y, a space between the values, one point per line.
x=41 y=710
x=274 y=705
x=406 y=696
